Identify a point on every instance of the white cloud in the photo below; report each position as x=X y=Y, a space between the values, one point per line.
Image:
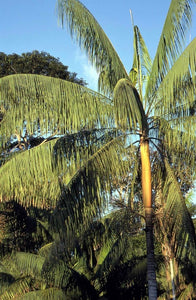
x=88 y=72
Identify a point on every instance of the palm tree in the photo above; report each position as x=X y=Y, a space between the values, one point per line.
x=154 y=102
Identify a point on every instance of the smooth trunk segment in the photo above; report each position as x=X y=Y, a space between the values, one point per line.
x=146 y=173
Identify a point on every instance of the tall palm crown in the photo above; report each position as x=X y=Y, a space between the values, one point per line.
x=155 y=101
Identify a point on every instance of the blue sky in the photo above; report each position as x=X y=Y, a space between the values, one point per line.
x=27 y=25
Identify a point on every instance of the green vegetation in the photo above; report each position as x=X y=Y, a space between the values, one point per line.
x=36 y=62
x=94 y=198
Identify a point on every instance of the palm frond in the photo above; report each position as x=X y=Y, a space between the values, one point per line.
x=46 y=294
x=90 y=188
x=44 y=251
x=36 y=176
x=171 y=42
x=188 y=293
x=182 y=129
x=181 y=232
x=90 y=36
x=16 y=289
x=141 y=61
x=28 y=264
x=177 y=89
x=41 y=105
x=179 y=136
x=128 y=107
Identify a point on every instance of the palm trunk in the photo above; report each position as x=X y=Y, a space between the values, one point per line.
x=172 y=279
x=147 y=201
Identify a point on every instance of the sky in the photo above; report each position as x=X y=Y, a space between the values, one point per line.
x=27 y=25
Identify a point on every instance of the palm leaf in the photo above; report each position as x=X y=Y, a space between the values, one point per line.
x=44 y=251
x=188 y=293
x=128 y=107
x=94 y=41
x=29 y=264
x=177 y=218
x=16 y=289
x=179 y=132
x=141 y=61
x=177 y=90
x=36 y=176
x=171 y=42
x=90 y=187
x=47 y=294
x=41 y=105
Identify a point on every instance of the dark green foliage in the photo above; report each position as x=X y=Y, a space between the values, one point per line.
x=17 y=228
x=36 y=62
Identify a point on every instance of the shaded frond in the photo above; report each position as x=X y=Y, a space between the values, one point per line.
x=90 y=36
x=189 y=292
x=90 y=188
x=36 y=176
x=177 y=219
x=179 y=136
x=28 y=264
x=181 y=132
x=178 y=87
x=172 y=40
x=128 y=107
x=41 y=104
x=46 y=294
x=30 y=179
x=16 y=289
x=45 y=250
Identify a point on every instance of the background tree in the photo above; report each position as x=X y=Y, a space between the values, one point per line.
x=77 y=171
x=36 y=62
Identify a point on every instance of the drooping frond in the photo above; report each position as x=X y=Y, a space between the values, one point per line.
x=189 y=292
x=171 y=42
x=90 y=189
x=93 y=40
x=141 y=62
x=16 y=289
x=38 y=176
x=177 y=220
x=179 y=138
x=29 y=177
x=46 y=294
x=180 y=130
x=45 y=250
x=128 y=108
x=41 y=105
x=177 y=90
x=28 y=264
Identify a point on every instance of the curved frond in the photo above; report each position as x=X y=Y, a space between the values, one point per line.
x=128 y=107
x=42 y=105
x=179 y=137
x=28 y=264
x=90 y=188
x=29 y=178
x=177 y=89
x=36 y=176
x=177 y=220
x=172 y=40
x=189 y=292
x=93 y=40
x=45 y=250
x=16 y=290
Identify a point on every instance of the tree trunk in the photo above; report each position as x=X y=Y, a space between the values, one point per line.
x=172 y=279
x=147 y=201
